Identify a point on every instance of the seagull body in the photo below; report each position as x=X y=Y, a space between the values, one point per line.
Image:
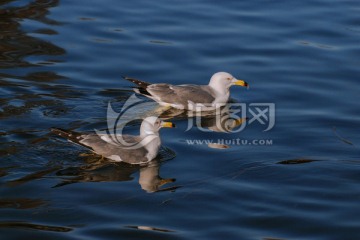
x=122 y=148
x=189 y=96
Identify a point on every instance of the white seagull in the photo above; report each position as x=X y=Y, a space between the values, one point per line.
x=122 y=148
x=189 y=96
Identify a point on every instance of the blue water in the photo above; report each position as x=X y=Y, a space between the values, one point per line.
x=61 y=62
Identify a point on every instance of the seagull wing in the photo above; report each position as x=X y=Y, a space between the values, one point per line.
x=104 y=146
x=181 y=94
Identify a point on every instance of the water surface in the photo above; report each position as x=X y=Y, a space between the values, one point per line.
x=61 y=62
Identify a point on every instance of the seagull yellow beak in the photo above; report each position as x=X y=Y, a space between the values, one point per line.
x=167 y=124
x=241 y=83
x=239 y=121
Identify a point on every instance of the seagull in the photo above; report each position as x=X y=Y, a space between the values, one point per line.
x=131 y=149
x=189 y=96
x=150 y=180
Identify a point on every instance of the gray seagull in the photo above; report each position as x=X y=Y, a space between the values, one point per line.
x=122 y=148
x=189 y=96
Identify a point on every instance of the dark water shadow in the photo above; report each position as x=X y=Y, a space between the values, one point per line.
x=344 y=140
x=21 y=203
x=4 y=171
x=32 y=226
x=32 y=177
x=297 y=161
x=7 y=149
x=15 y=43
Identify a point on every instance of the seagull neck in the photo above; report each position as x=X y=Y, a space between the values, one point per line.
x=146 y=132
x=220 y=90
x=221 y=93
x=150 y=140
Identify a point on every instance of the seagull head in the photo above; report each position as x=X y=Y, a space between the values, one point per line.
x=222 y=81
x=151 y=125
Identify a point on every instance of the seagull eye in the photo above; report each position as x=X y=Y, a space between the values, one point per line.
x=229 y=78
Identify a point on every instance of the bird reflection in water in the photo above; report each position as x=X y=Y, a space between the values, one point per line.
x=223 y=120
x=98 y=169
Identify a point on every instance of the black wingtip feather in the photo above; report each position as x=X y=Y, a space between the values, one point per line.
x=137 y=81
x=141 y=85
x=67 y=134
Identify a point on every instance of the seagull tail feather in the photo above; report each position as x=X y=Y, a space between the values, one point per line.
x=67 y=134
x=138 y=82
x=141 y=89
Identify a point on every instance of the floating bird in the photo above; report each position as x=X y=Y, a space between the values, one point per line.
x=189 y=96
x=105 y=171
x=150 y=180
x=122 y=148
